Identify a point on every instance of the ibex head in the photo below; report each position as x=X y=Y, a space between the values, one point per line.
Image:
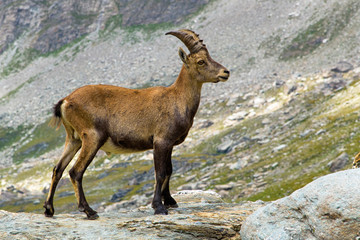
x=199 y=63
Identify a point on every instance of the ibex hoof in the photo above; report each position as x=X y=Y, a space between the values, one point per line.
x=93 y=216
x=161 y=211
x=172 y=206
x=49 y=210
x=170 y=203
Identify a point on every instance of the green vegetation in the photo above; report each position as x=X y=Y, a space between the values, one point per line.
x=42 y=139
x=19 y=61
x=130 y=33
x=9 y=136
x=80 y=18
x=304 y=157
x=112 y=23
x=13 y=92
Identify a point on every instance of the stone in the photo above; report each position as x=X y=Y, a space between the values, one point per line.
x=342 y=67
x=278 y=83
x=192 y=196
x=333 y=86
x=306 y=132
x=238 y=116
x=327 y=208
x=120 y=195
x=225 y=187
x=340 y=162
x=280 y=147
x=203 y=123
x=258 y=102
x=239 y=164
x=225 y=147
x=292 y=89
x=321 y=131
x=233 y=99
x=266 y=121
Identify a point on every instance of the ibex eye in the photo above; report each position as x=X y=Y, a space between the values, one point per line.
x=201 y=62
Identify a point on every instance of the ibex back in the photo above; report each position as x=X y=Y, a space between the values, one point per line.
x=121 y=120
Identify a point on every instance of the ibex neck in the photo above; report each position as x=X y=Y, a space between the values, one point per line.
x=188 y=90
x=186 y=85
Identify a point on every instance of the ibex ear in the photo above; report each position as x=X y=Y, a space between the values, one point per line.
x=183 y=56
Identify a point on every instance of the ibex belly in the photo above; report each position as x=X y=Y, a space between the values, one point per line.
x=126 y=145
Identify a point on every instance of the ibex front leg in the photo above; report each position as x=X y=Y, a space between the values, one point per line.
x=89 y=148
x=169 y=201
x=161 y=153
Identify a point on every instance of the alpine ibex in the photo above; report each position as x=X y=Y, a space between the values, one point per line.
x=119 y=120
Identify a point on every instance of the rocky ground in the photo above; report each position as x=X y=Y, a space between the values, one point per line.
x=201 y=215
x=287 y=115
x=327 y=208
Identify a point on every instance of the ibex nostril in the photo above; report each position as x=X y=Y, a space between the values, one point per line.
x=227 y=72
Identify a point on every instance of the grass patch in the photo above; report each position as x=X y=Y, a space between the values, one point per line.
x=43 y=139
x=20 y=60
x=285 y=188
x=9 y=136
x=13 y=92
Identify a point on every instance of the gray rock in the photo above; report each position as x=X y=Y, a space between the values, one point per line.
x=342 y=67
x=334 y=86
x=238 y=165
x=306 y=132
x=225 y=147
x=321 y=131
x=280 y=147
x=339 y=163
x=292 y=89
x=278 y=83
x=120 y=195
x=327 y=208
x=203 y=123
x=266 y=121
x=238 y=116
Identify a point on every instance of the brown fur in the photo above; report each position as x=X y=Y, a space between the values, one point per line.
x=119 y=120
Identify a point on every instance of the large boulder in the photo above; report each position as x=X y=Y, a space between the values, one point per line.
x=327 y=208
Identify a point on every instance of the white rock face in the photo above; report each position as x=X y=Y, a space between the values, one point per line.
x=327 y=208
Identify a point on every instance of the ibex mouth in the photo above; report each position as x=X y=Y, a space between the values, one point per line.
x=223 y=78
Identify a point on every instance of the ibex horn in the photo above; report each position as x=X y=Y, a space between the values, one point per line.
x=189 y=38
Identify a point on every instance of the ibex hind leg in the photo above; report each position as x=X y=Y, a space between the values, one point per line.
x=71 y=148
x=90 y=146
